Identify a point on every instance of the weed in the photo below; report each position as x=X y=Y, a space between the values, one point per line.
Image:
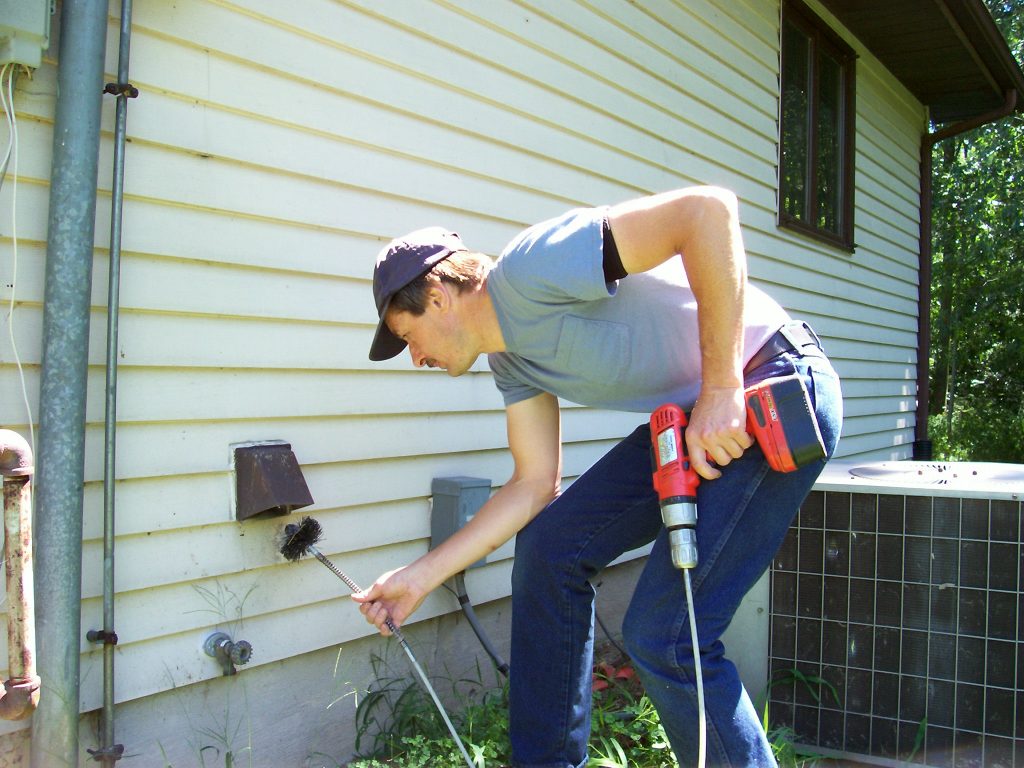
x=220 y=739
x=783 y=739
x=397 y=722
x=226 y=604
x=626 y=731
x=213 y=736
x=400 y=727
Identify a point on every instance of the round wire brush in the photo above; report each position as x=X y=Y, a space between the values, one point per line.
x=297 y=540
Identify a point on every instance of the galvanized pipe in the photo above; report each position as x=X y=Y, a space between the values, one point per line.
x=65 y=349
x=20 y=694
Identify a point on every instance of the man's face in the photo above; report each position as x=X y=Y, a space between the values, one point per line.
x=435 y=338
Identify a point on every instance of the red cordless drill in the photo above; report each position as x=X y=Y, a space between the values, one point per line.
x=779 y=416
x=675 y=482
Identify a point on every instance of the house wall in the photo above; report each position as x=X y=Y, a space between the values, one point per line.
x=273 y=149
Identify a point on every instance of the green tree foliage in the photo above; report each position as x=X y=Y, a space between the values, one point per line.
x=977 y=365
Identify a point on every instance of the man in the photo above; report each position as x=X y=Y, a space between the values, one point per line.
x=623 y=307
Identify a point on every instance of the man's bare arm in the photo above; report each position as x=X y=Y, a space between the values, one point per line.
x=534 y=436
x=701 y=224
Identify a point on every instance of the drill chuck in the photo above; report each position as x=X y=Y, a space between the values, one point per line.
x=680 y=519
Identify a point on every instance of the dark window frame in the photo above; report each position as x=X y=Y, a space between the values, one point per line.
x=821 y=40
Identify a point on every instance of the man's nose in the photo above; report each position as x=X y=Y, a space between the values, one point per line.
x=418 y=358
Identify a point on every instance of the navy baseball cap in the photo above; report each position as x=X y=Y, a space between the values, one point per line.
x=400 y=262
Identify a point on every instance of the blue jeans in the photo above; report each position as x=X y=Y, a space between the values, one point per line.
x=743 y=517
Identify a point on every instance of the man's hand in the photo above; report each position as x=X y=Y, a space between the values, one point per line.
x=717 y=430
x=396 y=594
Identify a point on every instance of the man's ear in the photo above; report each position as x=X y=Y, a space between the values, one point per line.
x=438 y=296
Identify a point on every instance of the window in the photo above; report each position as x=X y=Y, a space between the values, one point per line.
x=817 y=128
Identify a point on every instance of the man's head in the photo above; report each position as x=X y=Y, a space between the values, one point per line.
x=405 y=271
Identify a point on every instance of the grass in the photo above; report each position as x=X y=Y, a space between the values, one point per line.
x=398 y=726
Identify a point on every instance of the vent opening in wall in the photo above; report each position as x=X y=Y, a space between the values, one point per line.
x=902 y=595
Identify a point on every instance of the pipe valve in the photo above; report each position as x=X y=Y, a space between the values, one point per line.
x=228 y=653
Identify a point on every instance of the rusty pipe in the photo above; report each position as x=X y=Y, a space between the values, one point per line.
x=20 y=694
x=15 y=455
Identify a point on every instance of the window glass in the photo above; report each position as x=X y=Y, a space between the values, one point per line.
x=816 y=128
x=830 y=134
x=795 y=111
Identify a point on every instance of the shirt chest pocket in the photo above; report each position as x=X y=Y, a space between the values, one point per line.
x=594 y=349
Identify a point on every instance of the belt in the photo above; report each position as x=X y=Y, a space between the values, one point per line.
x=796 y=337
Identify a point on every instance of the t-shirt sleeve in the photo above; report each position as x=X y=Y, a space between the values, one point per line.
x=560 y=260
x=512 y=388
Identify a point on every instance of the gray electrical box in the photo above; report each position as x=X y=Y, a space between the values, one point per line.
x=456 y=500
x=24 y=31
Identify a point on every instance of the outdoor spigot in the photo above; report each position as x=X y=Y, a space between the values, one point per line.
x=220 y=646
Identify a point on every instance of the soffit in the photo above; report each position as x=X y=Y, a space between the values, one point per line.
x=948 y=53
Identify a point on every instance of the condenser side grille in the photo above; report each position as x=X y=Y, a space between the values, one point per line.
x=896 y=627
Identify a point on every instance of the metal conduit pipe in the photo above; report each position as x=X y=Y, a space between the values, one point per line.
x=109 y=752
x=20 y=694
x=65 y=348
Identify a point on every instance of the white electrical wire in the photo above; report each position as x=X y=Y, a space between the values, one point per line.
x=7 y=115
x=7 y=77
x=701 y=716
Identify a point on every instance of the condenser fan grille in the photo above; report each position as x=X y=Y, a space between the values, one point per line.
x=962 y=474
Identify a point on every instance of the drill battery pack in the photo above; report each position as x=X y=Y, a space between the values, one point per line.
x=781 y=419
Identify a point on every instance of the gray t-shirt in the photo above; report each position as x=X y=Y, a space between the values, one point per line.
x=628 y=345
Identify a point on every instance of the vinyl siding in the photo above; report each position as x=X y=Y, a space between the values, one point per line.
x=275 y=147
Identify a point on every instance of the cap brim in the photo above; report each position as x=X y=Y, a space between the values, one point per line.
x=385 y=344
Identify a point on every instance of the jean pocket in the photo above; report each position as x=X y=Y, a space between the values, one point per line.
x=827 y=397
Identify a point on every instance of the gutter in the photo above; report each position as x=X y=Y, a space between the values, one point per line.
x=922 y=444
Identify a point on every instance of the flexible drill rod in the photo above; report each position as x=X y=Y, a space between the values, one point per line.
x=408 y=651
x=701 y=715
x=675 y=483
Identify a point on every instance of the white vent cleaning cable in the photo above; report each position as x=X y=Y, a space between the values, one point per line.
x=8 y=74
x=702 y=723
x=297 y=540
